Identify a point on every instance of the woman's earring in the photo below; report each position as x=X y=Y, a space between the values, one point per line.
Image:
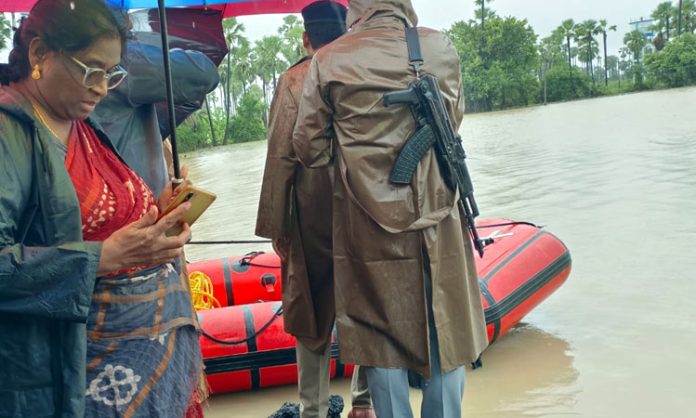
x=36 y=73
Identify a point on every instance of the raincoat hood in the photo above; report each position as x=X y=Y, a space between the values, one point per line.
x=364 y=9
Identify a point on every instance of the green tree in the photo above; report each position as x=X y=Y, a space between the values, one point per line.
x=499 y=64
x=247 y=124
x=613 y=66
x=192 y=134
x=243 y=66
x=635 y=41
x=269 y=64
x=548 y=55
x=556 y=45
x=685 y=16
x=689 y=16
x=482 y=13
x=563 y=85
x=291 y=34
x=5 y=31
x=567 y=28
x=603 y=28
x=662 y=16
x=234 y=36
x=574 y=55
x=624 y=62
x=675 y=65
x=587 y=45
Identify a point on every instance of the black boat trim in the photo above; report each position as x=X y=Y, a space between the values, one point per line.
x=228 y=281
x=255 y=361
x=495 y=312
x=251 y=344
x=513 y=255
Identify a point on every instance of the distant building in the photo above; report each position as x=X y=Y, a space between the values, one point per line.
x=646 y=27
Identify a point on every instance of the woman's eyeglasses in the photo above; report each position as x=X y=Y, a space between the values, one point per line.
x=94 y=76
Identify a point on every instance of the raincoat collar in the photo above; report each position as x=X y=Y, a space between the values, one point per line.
x=12 y=102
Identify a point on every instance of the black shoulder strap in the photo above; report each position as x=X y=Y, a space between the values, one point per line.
x=415 y=58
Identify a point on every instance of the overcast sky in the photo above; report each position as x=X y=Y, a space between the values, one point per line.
x=543 y=15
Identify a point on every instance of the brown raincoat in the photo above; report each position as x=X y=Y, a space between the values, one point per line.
x=295 y=211
x=385 y=234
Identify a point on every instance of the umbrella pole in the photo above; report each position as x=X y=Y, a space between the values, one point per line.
x=168 y=82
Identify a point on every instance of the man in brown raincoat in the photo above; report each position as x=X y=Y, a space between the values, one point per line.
x=407 y=293
x=295 y=212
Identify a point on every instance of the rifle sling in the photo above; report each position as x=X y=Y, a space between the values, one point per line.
x=415 y=57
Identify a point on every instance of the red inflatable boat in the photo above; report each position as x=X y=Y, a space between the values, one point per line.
x=244 y=346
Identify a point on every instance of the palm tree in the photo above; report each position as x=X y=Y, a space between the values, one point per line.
x=574 y=55
x=680 y=18
x=689 y=16
x=603 y=28
x=635 y=42
x=234 y=35
x=547 y=57
x=269 y=64
x=483 y=12
x=243 y=63
x=624 y=53
x=568 y=30
x=5 y=31
x=661 y=15
x=291 y=34
x=585 y=32
x=613 y=64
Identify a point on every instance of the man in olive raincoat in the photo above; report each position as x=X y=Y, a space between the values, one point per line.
x=407 y=293
x=295 y=211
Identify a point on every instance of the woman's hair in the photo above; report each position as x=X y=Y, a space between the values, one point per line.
x=62 y=25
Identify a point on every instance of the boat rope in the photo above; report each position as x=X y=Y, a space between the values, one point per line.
x=508 y=224
x=276 y=315
x=264 y=241
x=248 y=260
x=228 y=242
x=202 y=291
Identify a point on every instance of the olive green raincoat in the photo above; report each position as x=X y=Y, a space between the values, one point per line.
x=295 y=208
x=384 y=235
x=47 y=273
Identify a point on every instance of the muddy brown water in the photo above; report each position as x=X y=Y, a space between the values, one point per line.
x=615 y=179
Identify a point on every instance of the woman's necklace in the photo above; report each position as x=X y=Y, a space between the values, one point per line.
x=42 y=119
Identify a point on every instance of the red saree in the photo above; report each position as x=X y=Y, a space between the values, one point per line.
x=111 y=195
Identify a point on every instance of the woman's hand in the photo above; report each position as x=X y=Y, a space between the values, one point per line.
x=144 y=242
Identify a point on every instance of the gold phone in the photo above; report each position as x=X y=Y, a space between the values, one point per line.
x=200 y=200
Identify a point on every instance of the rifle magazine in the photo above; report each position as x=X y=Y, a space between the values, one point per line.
x=411 y=154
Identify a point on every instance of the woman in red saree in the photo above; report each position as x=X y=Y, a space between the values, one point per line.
x=142 y=354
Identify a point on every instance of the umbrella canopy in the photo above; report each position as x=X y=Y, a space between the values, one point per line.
x=229 y=7
x=259 y=7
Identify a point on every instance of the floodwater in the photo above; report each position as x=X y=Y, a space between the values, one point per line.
x=615 y=179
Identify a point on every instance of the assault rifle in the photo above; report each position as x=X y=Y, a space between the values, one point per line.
x=434 y=130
